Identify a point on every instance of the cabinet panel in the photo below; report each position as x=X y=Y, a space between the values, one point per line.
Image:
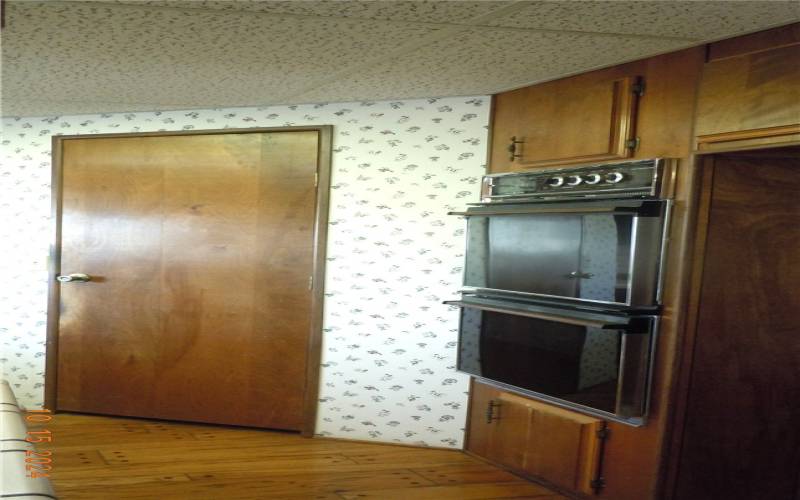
x=509 y=443
x=559 y=446
x=563 y=447
x=753 y=97
x=575 y=120
x=479 y=427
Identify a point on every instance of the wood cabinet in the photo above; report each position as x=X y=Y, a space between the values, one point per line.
x=560 y=447
x=642 y=109
x=749 y=97
x=531 y=121
x=750 y=91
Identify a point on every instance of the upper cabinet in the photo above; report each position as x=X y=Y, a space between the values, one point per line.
x=636 y=110
x=530 y=122
x=750 y=91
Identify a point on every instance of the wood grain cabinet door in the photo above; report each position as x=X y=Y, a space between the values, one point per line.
x=559 y=446
x=564 y=447
x=750 y=91
x=589 y=118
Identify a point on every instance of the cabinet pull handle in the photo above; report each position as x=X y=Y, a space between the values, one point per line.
x=512 y=149
x=490 y=414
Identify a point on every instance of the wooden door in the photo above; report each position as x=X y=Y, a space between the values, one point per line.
x=587 y=118
x=200 y=249
x=741 y=437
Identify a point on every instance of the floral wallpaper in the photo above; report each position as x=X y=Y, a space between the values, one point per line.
x=389 y=345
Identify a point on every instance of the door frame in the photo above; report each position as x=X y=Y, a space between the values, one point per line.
x=314 y=348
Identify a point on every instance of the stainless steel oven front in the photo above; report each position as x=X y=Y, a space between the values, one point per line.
x=600 y=244
x=599 y=363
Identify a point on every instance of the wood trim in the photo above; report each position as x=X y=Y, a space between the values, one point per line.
x=325 y=145
x=751 y=145
x=385 y=443
x=216 y=131
x=761 y=41
x=53 y=290
x=742 y=135
x=489 y=168
x=623 y=114
x=468 y=422
x=695 y=254
x=325 y=151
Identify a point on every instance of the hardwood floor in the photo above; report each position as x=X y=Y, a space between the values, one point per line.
x=98 y=457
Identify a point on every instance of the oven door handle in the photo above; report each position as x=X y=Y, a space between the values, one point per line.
x=570 y=320
x=532 y=210
x=641 y=208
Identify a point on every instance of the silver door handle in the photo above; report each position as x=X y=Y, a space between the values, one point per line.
x=575 y=275
x=74 y=278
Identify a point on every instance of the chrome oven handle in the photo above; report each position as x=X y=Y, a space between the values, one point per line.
x=544 y=316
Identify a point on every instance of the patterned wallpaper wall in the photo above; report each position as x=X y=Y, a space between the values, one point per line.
x=393 y=253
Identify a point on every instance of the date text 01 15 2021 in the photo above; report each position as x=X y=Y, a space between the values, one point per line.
x=38 y=463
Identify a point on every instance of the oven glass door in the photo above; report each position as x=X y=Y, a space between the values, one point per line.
x=601 y=255
x=592 y=361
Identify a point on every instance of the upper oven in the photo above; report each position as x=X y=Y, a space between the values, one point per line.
x=592 y=235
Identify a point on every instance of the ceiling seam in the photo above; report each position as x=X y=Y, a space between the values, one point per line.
x=408 y=48
x=472 y=23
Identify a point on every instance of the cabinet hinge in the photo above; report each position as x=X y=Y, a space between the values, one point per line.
x=638 y=87
x=633 y=143
x=310 y=282
x=599 y=482
x=316 y=179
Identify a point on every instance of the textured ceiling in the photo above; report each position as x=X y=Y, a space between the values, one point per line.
x=68 y=57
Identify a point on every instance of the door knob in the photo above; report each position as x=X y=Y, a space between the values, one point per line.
x=74 y=278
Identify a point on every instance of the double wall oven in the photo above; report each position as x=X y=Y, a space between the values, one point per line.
x=562 y=294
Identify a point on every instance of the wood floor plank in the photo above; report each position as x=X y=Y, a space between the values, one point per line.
x=517 y=489
x=100 y=458
x=468 y=473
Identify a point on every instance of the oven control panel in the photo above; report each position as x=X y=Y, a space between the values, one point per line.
x=641 y=178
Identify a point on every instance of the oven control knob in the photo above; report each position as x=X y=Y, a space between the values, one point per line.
x=592 y=179
x=574 y=180
x=555 y=181
x=614 y=177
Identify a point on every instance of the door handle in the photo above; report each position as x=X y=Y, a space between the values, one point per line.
x=74 y=278
x=490 y=413
x=574 y=275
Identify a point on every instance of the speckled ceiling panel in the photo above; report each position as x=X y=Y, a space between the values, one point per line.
x=129 y=55
x=451 y=65
x=702 y=20
x=178 y=58
x=427 y=11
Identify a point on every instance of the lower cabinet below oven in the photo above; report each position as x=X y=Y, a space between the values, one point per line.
x=558 y=446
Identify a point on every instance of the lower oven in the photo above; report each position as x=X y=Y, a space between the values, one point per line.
x=599 y=363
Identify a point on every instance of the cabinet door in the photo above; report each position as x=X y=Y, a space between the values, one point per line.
x=563 y=447
x=556 y=445
x=752 y=98
x=508 y=444
x=481 y=417
x=581 y=119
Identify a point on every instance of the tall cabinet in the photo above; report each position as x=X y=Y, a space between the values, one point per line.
x=711 y=376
